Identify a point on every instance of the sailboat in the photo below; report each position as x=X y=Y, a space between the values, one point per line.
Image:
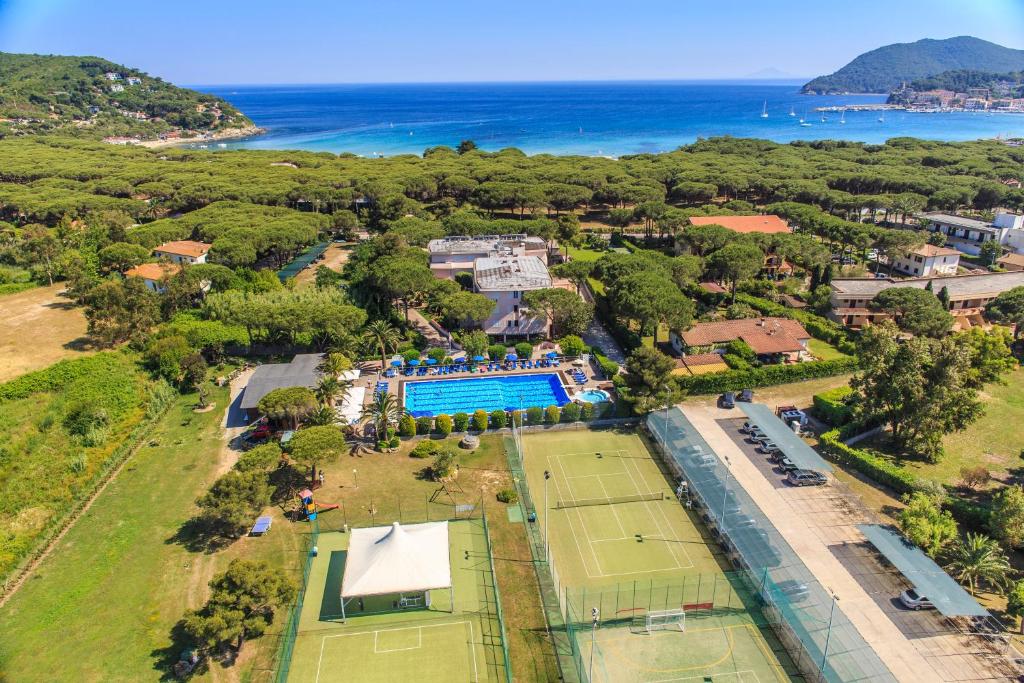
x=842 y=119
x=764 y=110
x=881 y=119
x=792 y=111
x=823 y=119
x=804 y=122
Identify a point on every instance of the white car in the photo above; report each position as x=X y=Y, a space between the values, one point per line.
x=911 y=599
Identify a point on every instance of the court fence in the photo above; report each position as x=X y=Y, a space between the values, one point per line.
x=805 y=615
x=283 y=657
x=506 y=658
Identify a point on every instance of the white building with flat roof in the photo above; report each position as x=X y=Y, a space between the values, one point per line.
x=504 y=280
x=968 y=234
x=457 y=254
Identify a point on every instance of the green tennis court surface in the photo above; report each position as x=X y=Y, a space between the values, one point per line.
x=379 y=643
x=593 y=543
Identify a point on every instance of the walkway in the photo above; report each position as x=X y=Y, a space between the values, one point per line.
x=597 y=335
x=423 y=326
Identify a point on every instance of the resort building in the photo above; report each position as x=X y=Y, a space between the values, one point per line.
x=774 y=340
x=504 y=280
x=302 y=371
x=186 y=252
x=1011 y=262
x=928 y=261
x=768 y=224
x=450 y=256
x=155 y=275
x=968 y=294
x=968 y=234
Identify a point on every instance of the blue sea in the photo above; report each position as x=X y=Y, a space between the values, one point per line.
x=589 y=118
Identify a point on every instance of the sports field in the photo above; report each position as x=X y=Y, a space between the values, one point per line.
x=645 y=555
x=377 y=646
x=595 y=544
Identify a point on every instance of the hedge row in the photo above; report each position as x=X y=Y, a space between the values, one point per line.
x=766 y=376
x=481 y=420
x=831 y=406
x=968 y=514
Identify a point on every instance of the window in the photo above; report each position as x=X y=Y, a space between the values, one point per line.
x=515 y=295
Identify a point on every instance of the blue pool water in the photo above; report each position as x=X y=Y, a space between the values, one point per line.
x=449 y=396
x=593 y=396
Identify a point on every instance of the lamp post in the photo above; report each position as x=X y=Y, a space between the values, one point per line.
x=547 y=475
x=828 y=635
x=594 y=615
x=355 y=477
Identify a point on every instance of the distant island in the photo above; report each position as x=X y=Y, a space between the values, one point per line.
x=91 y=97
x=890 y=67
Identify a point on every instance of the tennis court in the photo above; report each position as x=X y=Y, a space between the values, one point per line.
x=382 y=641
x=646 y=534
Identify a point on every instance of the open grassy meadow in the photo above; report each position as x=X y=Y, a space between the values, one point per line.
x=39 y=328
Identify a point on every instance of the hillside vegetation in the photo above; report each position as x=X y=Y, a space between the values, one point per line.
x=74 y=94
x=885 y=68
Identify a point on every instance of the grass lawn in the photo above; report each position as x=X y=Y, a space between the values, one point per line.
x=119 y=581
x=581 y=254
x=824 y=351
x=55 y=327
x=388 y=487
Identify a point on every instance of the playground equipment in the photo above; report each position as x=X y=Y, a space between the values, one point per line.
x=309 y=508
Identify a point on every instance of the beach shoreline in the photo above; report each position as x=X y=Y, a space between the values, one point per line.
x=217 y=136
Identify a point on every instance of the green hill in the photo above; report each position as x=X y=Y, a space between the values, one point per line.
x=887 y=67
x=93 y=97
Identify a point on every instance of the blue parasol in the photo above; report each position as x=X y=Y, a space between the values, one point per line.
x=431 y=361
x=552 y=354
x=478 y=359
x=396 y=363
x=414 y=362
x=511 y=356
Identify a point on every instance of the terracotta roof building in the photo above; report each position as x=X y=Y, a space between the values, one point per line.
x=183 y=251
x=154 y=274
x=1012 y=262
x=768 y=337
x=769 y=224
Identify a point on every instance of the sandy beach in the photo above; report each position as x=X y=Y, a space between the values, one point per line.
x=228 y=134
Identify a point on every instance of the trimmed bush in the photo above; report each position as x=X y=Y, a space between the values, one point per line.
x=480 y=420
x=572 y=345
x=879 y=469
x=608 y=367
x=394 y=442
x=410 y=354
x=831 y=406
x=587 y=412
x=436 y=354
x=443 y=424
x=425 y=449
x=524 y=350
x=460 y=422
x=424 y=424
x=496 y=352
x=534 y=415
x=407 y=425
x=571 y=412
x=498 y=419
x=766 y=376
x=508 y=495
x=552 y=414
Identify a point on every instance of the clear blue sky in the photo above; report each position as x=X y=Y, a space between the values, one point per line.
x=307 y=41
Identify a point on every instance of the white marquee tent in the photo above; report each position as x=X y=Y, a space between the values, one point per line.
x=397 y=559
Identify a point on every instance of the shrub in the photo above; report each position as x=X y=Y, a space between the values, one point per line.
x=572 y=345
x=425 y=449
x=85 y=417
x=571 y=412
x=765 y=376
x=587 y=412
x=831 y=406
x=424 y=424
x=410 y=354
x=496 y=351
x=552 y=414
x=460 y=422
x=437 y=354
x=260 y=458
x=443 y=466
x=517 y=417
x=443 y=424
x=407 y=425
x=608 y=367
x=975 y=477
x=498 y=419
x=524 y=349
x=480 y=420
x=394 y=442
x=509 y=495
x=534 y=415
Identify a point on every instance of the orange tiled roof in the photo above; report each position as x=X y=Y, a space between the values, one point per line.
x=767 y=224
x=930 y=250
x=184 y=248
x=763 y=335
x=1016 y=260
x=153 y=271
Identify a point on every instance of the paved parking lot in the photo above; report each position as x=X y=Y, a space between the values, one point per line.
x=731 y=427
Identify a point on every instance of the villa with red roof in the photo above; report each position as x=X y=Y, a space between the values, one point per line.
x=155 y=275
x=772 y=339
x=768 y=224
x=186 y=252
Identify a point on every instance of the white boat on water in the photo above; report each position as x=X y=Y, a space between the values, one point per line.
x=842 y=119
x=804 y=122
x=792 y=111
x=764 y=110
x=881 y=119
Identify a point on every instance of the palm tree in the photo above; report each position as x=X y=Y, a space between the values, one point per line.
x=385 y=336
x=384 y=412
x=321 y=417
x=979 y=559
x=334 y=364
x=330 y=388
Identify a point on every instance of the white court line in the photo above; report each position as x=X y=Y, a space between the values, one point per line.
x=738 y=674
x=614 y=511
x=572 y=527
x=419 y=644
x=323 y=641
x=664 y=516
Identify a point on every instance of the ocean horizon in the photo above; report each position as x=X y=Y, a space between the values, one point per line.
x=591 y=118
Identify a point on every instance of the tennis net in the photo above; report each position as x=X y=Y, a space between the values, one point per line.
x=609 y=500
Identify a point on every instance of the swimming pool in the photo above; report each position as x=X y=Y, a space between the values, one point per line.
x=594 y=396
x=449 y=396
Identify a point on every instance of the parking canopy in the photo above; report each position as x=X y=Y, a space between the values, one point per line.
x=789 y=443
x=928 y=578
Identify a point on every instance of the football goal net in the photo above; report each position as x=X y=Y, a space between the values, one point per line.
x=661 y=620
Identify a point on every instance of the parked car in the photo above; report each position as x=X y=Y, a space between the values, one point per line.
x=767 y=447
x=911 y=599
x=806 y=478
x=787 y=465
x=793 y=589
x=776 y=456
x=727 y=400
x=747 y=396
x=748 y=427
x=757 y=436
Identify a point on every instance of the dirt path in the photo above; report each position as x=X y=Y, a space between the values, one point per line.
x=334 y=258
x=234 y=424
x=38 y=328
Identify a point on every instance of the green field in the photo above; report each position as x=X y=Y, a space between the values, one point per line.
x=440 y=643
x=630 y=559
